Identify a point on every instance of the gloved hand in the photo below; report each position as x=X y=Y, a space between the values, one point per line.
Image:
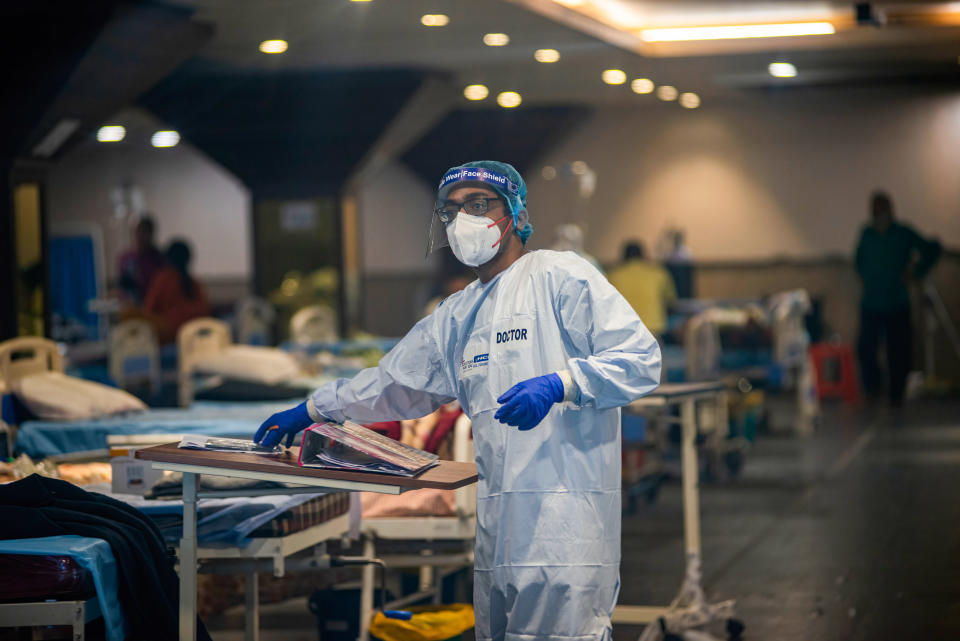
x=288 y=423
x=526 y=403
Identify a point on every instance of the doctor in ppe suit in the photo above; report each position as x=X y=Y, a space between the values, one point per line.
x=541 y=352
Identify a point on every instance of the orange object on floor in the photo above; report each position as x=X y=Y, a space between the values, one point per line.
x=835 y=371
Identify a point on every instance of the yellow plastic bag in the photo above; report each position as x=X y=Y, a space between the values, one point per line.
x=429 y=623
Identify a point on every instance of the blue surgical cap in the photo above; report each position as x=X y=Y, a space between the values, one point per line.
x=513 y=192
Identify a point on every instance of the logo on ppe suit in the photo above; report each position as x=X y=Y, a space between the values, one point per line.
x=478 y=361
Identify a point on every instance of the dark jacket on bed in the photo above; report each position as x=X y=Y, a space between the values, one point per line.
x=149 y=589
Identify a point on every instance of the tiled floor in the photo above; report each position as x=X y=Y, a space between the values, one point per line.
x=852 y=534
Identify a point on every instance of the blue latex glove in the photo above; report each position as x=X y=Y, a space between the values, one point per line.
x=525 y=404
x=288 y=423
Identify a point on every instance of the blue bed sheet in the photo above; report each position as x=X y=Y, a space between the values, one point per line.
x=40 y=439
x=96 y=557
x=227 y=521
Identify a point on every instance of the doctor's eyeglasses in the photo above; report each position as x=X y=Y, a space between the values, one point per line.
x=476 y=206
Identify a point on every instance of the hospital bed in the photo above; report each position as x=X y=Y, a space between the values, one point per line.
x=134 y=355
x=253 y=319
x=236 y=536
x=87 y=438
x=202 y=345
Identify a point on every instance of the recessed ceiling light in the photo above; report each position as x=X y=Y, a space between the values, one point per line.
x=549 y=172
x=509 y=99
x=546 y=55
x=435 y=20
x=614 y=77
x=476 y=92
x=642 y=85
x=666 y=92
x=496 y=39
x=578 y=167
x=111 y=133
x=273 y=46
x=166 y=138
x=782 y=70
x=689 y=100
x=734 y=31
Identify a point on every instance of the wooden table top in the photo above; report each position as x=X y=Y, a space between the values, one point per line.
x=448 y=475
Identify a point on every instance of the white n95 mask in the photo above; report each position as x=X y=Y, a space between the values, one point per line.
x=475 y=239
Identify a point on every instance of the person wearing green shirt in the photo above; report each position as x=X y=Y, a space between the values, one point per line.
x=890 y=255
x=647 y=286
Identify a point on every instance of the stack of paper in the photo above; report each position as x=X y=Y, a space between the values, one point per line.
x=349 y=446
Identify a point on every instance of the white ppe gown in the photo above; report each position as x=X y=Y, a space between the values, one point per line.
x=548 y=501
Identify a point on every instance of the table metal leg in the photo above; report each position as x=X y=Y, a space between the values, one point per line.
x=366 y=590
x=252 y=590
x=691 y=481
x=188 y=560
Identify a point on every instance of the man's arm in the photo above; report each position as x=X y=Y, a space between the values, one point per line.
x=410 y=382
x=620 y=358
x=928 y=253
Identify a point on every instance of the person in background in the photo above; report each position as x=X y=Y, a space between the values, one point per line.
x=137 y=267
x=677 y=258
x=175 y=297
x=890 y=256
x=648 y=287
x=570 y=238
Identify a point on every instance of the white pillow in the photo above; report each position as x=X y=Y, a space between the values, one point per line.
x=55 y=396
x=266 y=365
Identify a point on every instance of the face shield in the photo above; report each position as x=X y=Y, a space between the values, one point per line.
x=445 y=211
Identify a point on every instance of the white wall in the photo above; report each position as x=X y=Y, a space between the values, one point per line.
x=394 y=210
x=761 y=176
x=188 y=193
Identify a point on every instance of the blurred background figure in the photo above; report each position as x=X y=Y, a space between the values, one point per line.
x=570 y=238
x=673 y=252
x=175 y=297
x=647 y=286
x=137 y=266
x=890 y=256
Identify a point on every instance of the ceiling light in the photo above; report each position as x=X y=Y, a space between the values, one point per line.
x=548 y=172
x=496 y=39
x=782 y=70
x=273 y=46
x=476 y=92
x=675 y=34
x=689 y=100
x=111 y=133
x=614 y=77
x=168 y=138
x=666 y=92
x=509 y=99
x=642 y=85
x=546 y=55
x=578 y=167
x=435 y=20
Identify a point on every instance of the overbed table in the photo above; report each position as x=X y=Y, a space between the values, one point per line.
x=690 y=608
x=448 y=475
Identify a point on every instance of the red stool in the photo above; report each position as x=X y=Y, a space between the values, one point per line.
x=836 y=374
